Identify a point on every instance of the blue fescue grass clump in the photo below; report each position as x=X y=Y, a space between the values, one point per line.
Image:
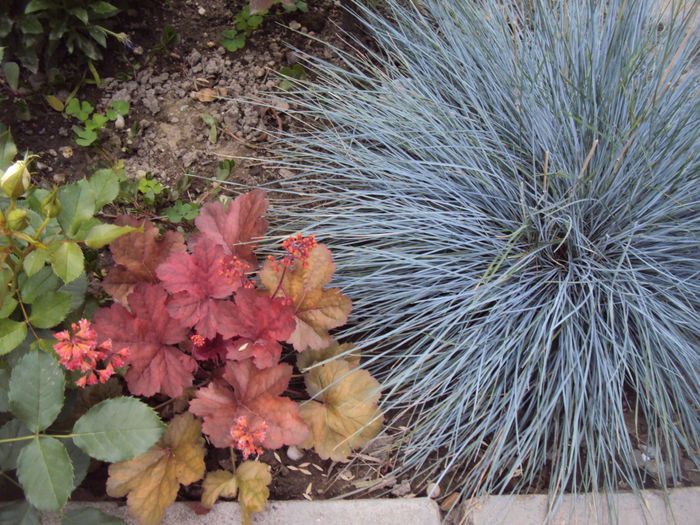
x=512 y=195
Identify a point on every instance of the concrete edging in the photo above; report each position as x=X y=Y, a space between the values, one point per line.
x=402 y=511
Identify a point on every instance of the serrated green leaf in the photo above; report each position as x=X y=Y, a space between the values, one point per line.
x=5 y=26
x=80 y=461
x=36 y=390
x=77 y=206
x=8 y=150
x=103 y=234
x=9 y=451
x=35 y=261
x=38 y=5
x=81 y=14
x=30 y=25
x=68 y=261
x=105 y=185
x=117 y=429
x=8 y=306
x=50 y=309
x=90 y=516
x=12 y=333
x=19 y=513
x=4 y=387
x=77 y=290
x=105 y=9
x=11 y=72
x=46 y=473
x=42 y=282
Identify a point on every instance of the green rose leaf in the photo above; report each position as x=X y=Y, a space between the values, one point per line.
x=104 y=9
x=80 y=460
x=90 y=516
x=77 y=206
x=77 y=290
x=8 y=150
x=38 y=5
x=50 y=309
x=35 y=261
x=4 y=387
x=105 y=185
x=41 y=283
x=11 y=72
x=9 y=451
x=117 y=429
x=36 y=390
x=45 y=471
x=12 y=333
x=8 y=306
x=68 y=261
x=103 y=234
x=19 y=513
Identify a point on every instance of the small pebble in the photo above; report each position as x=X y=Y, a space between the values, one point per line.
x=294 y=25
x=201 y=11
x=66 y=151
x=119 y=122
x=294 y=453
x=432 y=490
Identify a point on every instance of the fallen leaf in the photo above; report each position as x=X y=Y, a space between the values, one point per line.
x=317 y=310
x=244 y=390
x=149 y=332
x=344 y=415
x=137 y=255
x=220 y=483
x=253 y=480
x=153 y=479
x=205 y=95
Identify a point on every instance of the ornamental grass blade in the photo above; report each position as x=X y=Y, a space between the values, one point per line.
x=512 y=192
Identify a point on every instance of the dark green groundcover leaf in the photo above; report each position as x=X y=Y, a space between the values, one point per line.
x=45 y=471
x=36 y=390
x=118 y=429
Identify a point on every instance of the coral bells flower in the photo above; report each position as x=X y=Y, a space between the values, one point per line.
x=80 y=351
x=234 y=270
x=298 y=249
x=247 y=440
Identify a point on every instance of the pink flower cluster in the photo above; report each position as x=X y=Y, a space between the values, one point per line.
x=247 y=440
x=80 y=351
x=298 y=249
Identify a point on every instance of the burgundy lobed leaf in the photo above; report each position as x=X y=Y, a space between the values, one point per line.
x=259 y=321
x=243 y=390
x=149 y=332
x=137 y=255
x=197 y=281
x=236 y=225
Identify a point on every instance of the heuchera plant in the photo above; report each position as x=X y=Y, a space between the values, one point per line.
x=190 y=312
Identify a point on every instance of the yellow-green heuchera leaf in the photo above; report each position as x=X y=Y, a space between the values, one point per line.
x=344 y=416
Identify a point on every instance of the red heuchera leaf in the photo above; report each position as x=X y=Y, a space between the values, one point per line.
x=137 y=255
x=148 y=331
x=236 y=226
x=244 y=390
x=260 y=322
x=204 y=349
x=197 y=281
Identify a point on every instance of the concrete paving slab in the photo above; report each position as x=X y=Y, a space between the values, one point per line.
x=683 y=509
x=414 y=511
